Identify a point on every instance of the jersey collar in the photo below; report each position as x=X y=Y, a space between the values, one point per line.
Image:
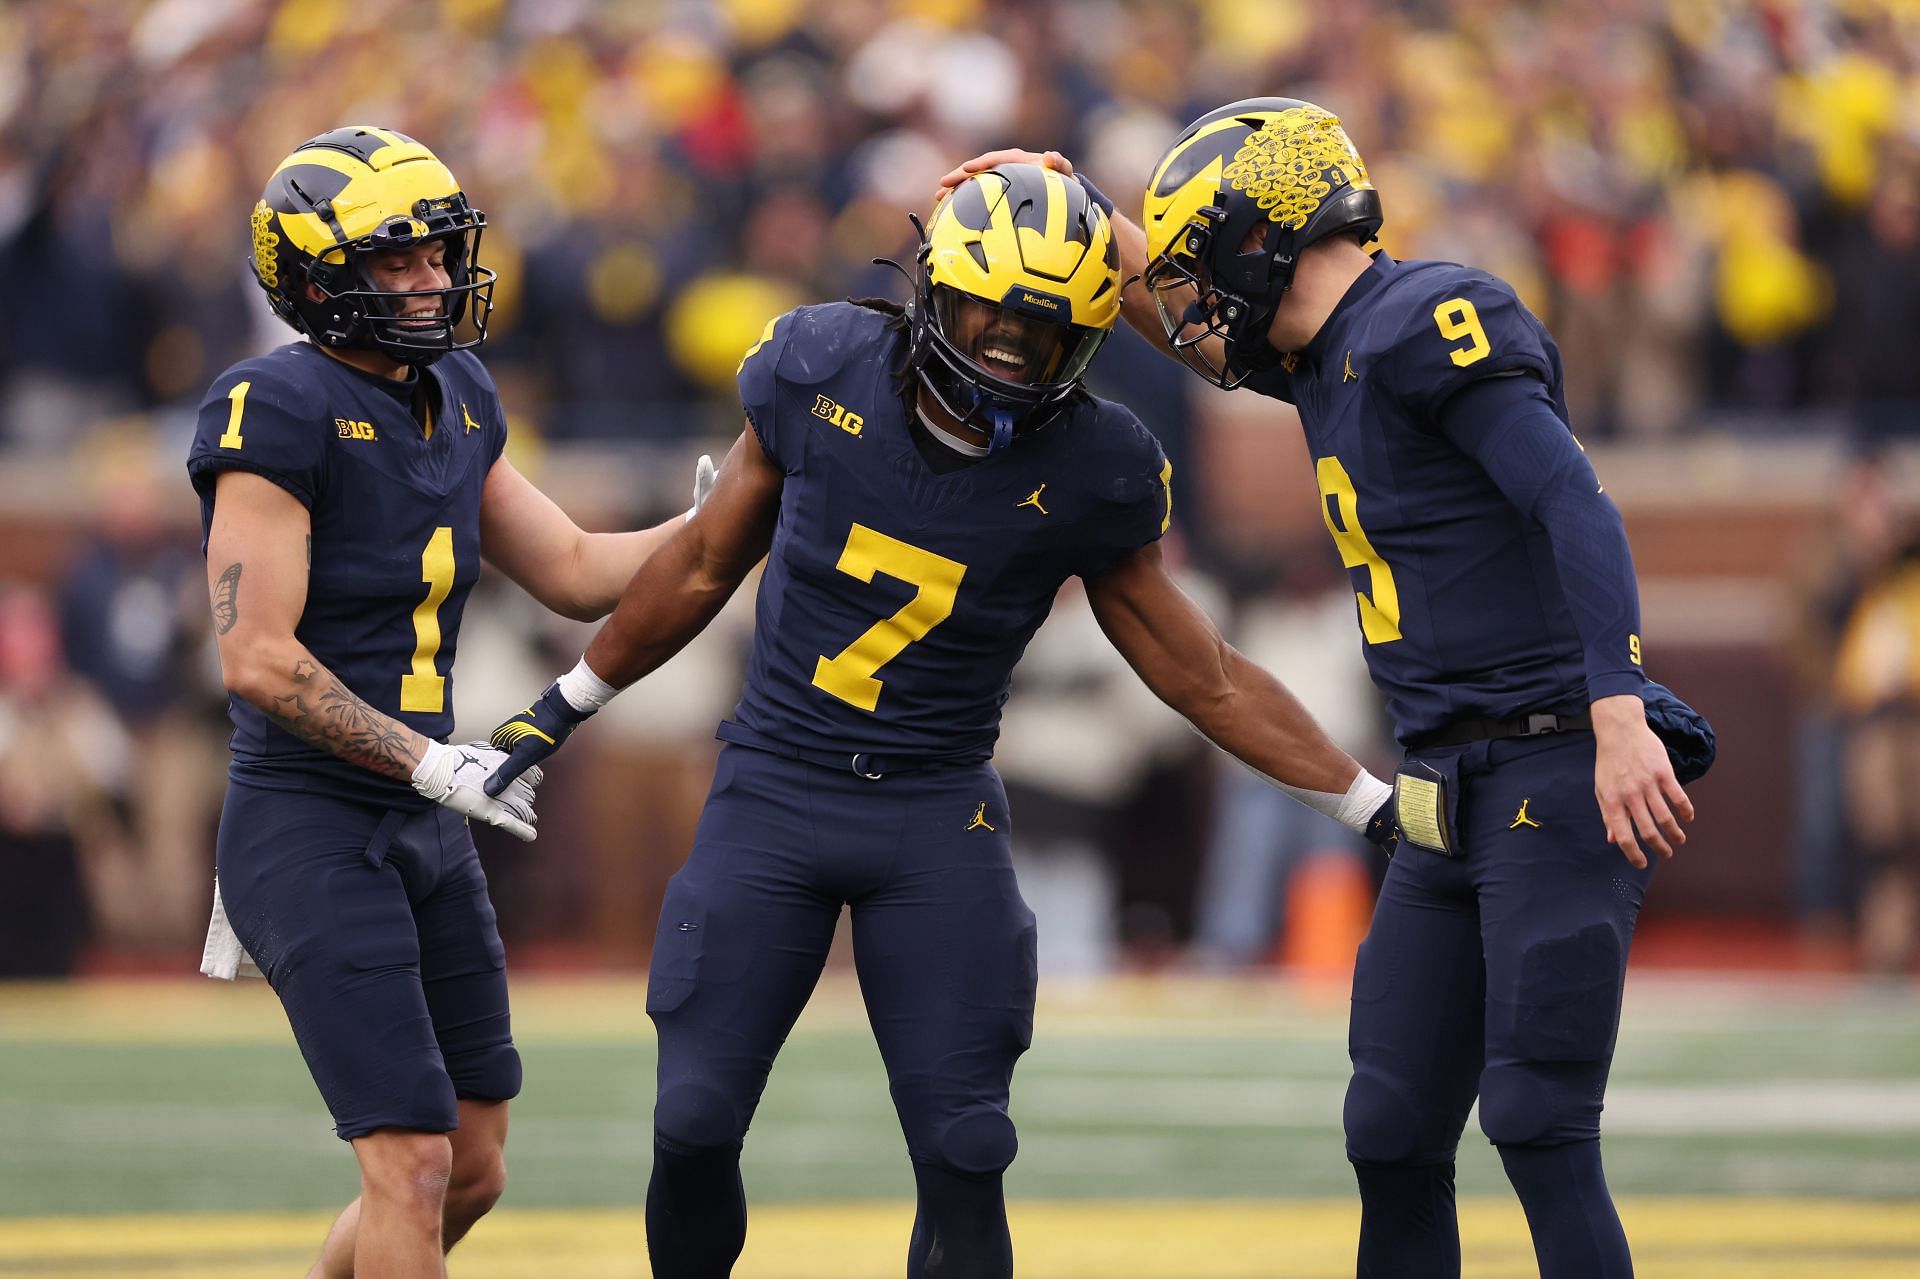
x=1370 y=280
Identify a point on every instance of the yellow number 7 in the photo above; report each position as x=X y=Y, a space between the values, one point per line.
x=849 y=676
x=1457 y=319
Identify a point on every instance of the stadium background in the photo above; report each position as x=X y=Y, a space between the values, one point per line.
x=1714 y=204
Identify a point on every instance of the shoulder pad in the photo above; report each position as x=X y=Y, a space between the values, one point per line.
x=1444 y=325
x=285 y=376
x=1125 y=463
x=810 y=344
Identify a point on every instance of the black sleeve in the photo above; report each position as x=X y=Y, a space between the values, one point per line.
x=1509 y=426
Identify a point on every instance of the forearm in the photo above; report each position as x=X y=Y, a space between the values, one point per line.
x=1253 y=717
x=1596 y=574
x=286 y=682
x=1136 y=300
x=605 y=562
x=1180 y=654
x=671 y=599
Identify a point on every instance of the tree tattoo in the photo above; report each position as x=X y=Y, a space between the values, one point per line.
x=329 y=715
x=226 y=600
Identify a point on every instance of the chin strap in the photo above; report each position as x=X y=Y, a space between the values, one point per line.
x=1002 y=430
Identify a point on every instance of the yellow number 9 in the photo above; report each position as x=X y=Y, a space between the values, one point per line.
x=1457 y=319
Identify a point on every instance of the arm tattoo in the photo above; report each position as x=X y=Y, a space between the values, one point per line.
x=226 y=600
x=334 y=719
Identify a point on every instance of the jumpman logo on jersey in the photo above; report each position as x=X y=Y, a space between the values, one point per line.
x=1347 y=374
x=1032 y=499
x=980 y=821
x=468 y=417
x=1520 y=818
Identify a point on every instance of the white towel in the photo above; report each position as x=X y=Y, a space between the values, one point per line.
x=224 y=958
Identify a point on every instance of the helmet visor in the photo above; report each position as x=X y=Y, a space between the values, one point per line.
x=1014 y=346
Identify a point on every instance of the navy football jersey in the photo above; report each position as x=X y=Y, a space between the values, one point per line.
x=396 y=535
x=1461 y=605
x=896 y=599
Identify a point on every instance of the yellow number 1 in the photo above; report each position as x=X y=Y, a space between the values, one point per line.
x=1457 y=319
x=425 y=688
x=849 y=676
x=231 y=438
x=1380 y=614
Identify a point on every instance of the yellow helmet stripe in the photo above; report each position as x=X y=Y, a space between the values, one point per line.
x=1167 y=213
x=1050 y=252
x=370 y=196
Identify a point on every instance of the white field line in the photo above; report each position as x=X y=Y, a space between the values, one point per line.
x=833 y=1114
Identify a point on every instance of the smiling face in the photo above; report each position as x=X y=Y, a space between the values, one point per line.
x=1006 y=344
x=418 y=272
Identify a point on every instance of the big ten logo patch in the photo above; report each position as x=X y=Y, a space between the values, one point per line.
x=850 y=422
x=354 y=430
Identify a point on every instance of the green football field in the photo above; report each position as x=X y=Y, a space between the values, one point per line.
x=1170 y=1129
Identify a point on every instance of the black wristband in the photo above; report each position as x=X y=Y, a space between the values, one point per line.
x=1095 y=194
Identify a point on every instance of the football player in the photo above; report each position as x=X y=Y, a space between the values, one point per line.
x=926 y=481
x=1500 y=618
x=350 y=485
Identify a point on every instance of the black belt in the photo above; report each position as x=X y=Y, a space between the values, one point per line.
x=871 y=765
x=1462 y=732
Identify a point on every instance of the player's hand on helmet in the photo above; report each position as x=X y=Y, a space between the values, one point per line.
x=532 y=735
x=457 y=777
x=1640 y=799
x=994 y=159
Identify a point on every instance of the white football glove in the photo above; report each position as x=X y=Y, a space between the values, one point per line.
x=454 y=775
x=704 y=474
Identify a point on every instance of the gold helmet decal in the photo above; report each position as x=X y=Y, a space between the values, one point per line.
x=266 y=258
x=1236 y=199
x=1293 y=162
x=1288 y=166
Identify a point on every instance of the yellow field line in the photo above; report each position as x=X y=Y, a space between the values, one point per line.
x=612 y=1008
x=1673 y=1238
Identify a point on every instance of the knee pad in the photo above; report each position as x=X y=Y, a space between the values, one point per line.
x=696 y=1117
x=1535 y=1103
x=1567 y=1001
x=1380 y=1123
x=492 y=1075
x=980 y=1143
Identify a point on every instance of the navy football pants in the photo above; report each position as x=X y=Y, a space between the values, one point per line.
x=1497 y=974
x=374 y=927
x=943 y=944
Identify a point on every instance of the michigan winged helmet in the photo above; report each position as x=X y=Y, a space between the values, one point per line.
x=1277 y=162
x=1018 y=285
x=351 y=193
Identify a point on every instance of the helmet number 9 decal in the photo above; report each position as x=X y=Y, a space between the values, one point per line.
x=850 y=676
x=425 y=688
x=1457 y=319
x=1340 y=507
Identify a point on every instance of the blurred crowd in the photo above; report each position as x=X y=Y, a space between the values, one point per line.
x=1714 y=204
